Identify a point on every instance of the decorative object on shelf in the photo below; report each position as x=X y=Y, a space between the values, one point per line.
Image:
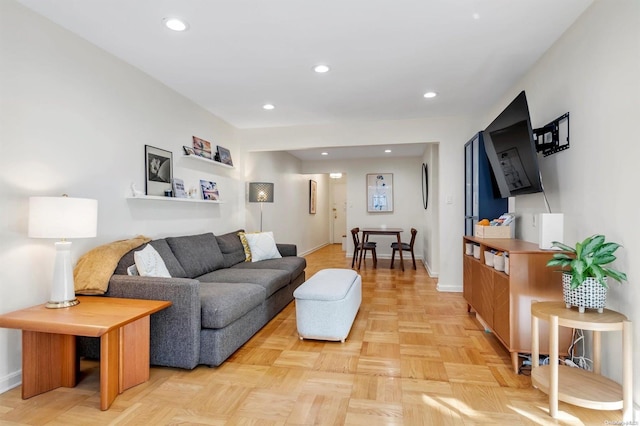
x=379 y=192
x=135 y=192
x=260 y=192
x=202 y=148
x=158 y=170
x=313 y=196
x=209 y=190
x=188 y=150
x=178 y=188
x=192 y=192
x=62 y=217
x=584 y=278
x=224 y=156
x=425 y=185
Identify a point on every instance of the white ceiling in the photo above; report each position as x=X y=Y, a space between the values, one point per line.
x=384 y=54
x=359 y=152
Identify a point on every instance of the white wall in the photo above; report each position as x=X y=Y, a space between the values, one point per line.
x=593 y=72
x=74 y=119
x=431 y=235
x=450 y=133
x=407 y=197
x=288 y=216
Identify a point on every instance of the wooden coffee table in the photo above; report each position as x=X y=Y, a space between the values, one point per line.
x=49 y=356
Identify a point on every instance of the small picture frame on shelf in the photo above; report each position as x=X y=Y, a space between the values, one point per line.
x=209 y=190
x=158 y=170
x=202 y=148
x=178 y=188
x=224 y=156
x=188 y=150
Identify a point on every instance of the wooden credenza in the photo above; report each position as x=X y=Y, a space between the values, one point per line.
x=504 y=301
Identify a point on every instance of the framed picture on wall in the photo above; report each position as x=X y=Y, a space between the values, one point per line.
x=313 y=196
x=158 y=170
x=380 y=192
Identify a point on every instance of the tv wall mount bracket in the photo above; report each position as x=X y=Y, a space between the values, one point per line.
x=554 y=137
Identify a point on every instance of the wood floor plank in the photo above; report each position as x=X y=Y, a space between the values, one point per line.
x=414 y=356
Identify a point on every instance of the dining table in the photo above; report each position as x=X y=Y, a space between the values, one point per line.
x=381 y=231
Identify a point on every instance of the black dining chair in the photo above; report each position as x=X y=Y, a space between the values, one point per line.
x=405 y=247
x=357 y=246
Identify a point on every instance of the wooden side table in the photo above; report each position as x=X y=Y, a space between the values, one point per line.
x=575 y=385
x=49 y=343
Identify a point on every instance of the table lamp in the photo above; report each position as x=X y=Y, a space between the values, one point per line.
x=260 y=192
x=62 y=217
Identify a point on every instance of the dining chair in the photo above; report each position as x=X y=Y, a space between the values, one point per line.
x=357 y=246
x=405 y=247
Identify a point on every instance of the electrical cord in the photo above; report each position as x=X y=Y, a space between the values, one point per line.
x=574 y=360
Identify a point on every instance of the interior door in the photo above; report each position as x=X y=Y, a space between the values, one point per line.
x=339 y=211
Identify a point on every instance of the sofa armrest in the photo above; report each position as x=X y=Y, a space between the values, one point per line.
x=175 y=331
x=287 y=249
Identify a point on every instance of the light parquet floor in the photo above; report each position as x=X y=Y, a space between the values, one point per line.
x=414 y=357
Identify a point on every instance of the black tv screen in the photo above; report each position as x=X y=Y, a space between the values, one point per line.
x=511 y=150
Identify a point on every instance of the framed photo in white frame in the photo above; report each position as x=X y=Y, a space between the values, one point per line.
x=379 y=192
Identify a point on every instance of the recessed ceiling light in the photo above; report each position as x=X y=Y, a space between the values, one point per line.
x=324 y=153
x=476 y=16
x=387 y=151
x=430 y=95
x=335 y=175
x=321 y=69
x=268 y=106
x=175 y=24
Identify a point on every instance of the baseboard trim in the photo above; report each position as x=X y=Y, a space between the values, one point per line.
x=449 y=288
x=10 y=381
x=312 y=250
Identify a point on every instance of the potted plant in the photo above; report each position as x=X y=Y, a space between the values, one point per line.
x=584 y=278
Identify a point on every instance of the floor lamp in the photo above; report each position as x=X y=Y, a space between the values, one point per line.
x=62 y=217
x=260 y=192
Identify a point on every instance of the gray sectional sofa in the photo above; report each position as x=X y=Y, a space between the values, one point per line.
x=219 y=300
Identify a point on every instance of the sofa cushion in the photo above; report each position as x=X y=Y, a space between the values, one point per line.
x=161 y=246
x=294 y=265
x=223 y=303
x=231 y=248
x=149 y=263
x=271 y=280
x=262 y=246
x=198 y=254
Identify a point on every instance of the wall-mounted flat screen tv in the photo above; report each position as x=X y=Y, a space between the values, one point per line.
x=511 y=150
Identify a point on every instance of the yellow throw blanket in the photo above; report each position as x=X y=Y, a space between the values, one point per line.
x=94 y=269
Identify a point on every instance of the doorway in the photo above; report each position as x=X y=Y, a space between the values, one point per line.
x=338 y=209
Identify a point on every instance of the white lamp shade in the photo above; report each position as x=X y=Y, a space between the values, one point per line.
x=62 y=217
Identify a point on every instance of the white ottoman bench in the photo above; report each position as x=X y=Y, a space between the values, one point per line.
x=327 y=304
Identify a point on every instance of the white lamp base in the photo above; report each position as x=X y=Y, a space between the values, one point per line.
x=63 y=293
x=65 y=304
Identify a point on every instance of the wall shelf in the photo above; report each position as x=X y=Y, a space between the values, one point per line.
x=182 y=200
x=208 y=160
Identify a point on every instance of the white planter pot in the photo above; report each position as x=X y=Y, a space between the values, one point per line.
x=590 y=294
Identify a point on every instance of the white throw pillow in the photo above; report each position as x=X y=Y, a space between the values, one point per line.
x=263 y=246
x=149 y=263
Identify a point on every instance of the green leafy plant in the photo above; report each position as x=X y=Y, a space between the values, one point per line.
x=588 y=259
